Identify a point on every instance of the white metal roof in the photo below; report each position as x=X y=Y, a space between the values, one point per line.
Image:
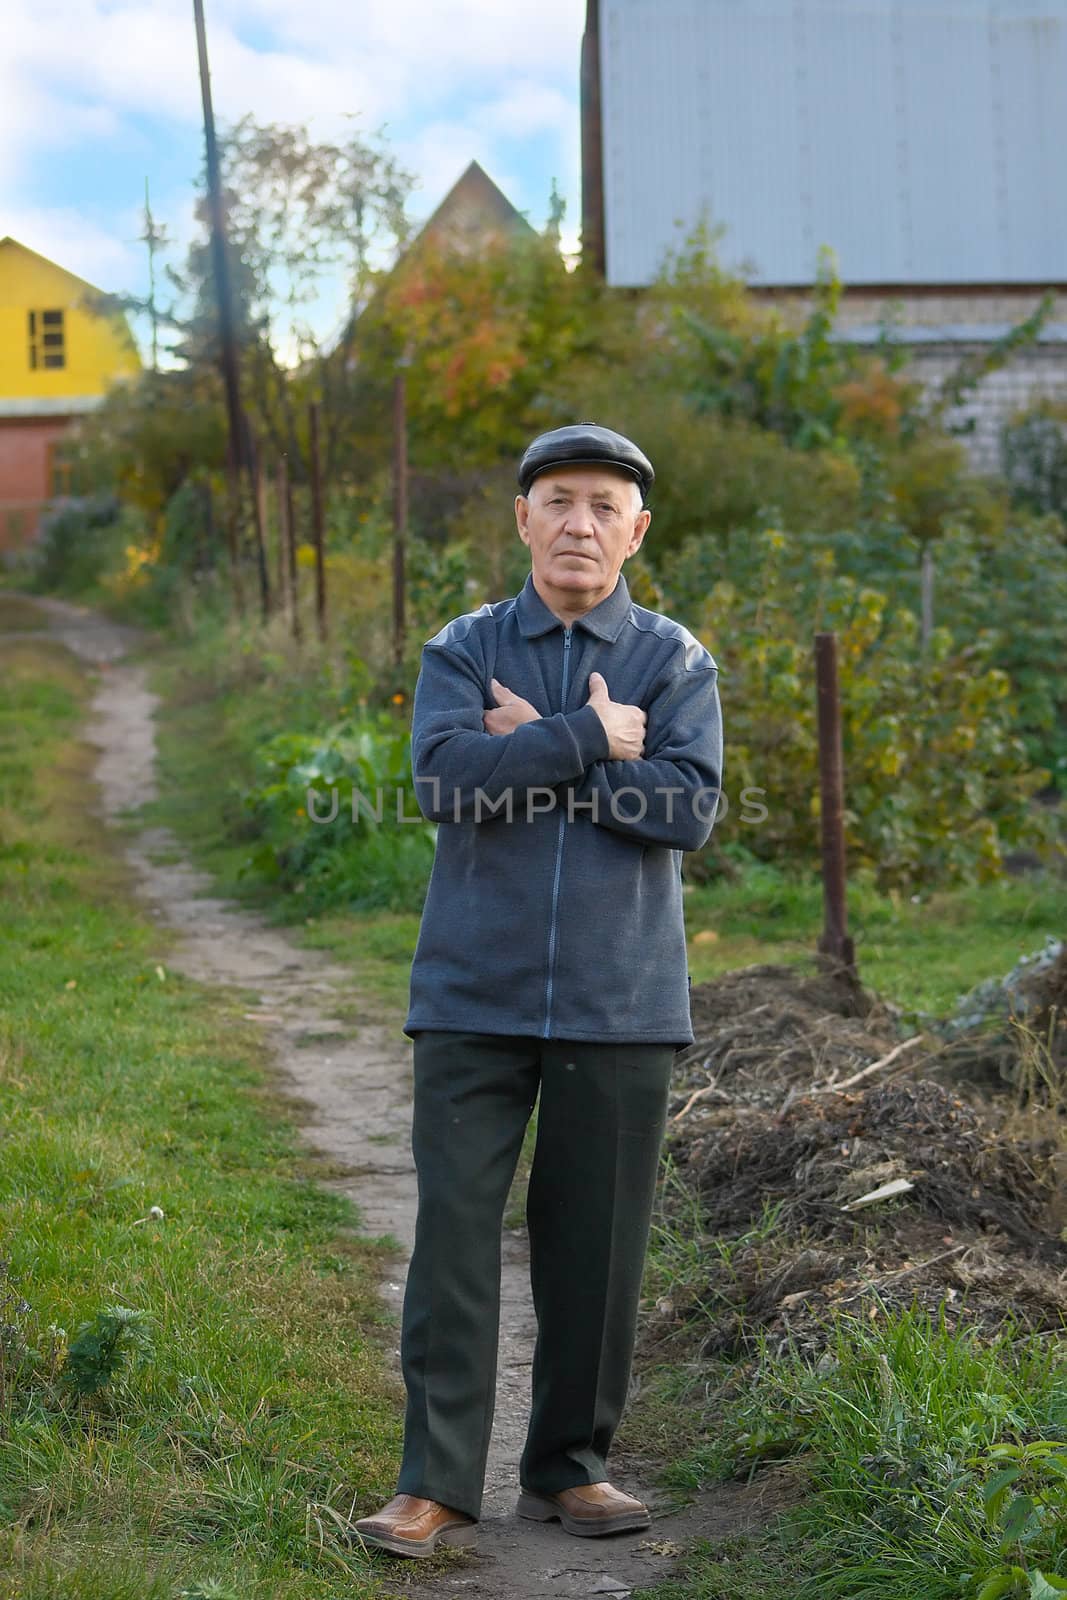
x=925 y=141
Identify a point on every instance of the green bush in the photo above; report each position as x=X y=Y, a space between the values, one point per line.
x=355 y=777
x=1012 y=587
x=1005 y=585
x=938 y=781
x=80 y=543
x=1033 y=450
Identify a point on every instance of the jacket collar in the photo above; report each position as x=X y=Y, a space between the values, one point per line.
x=605 y=620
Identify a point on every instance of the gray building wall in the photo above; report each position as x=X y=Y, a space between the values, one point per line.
x=922 y=140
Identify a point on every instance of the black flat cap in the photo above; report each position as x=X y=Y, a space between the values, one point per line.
x=584 y=444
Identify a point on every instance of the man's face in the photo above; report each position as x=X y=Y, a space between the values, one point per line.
x=580 y=524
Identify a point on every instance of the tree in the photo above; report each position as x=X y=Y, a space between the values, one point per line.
x=305 y=219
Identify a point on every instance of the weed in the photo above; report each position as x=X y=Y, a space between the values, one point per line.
x=104 y=1346
x=1025 y=1499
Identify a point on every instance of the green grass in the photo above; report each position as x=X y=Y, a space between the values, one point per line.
x=884 y=1431
x=263 y=1413
x=922 y=955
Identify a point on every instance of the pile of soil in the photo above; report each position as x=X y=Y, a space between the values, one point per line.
x=784 y=1134
x=764 y=1028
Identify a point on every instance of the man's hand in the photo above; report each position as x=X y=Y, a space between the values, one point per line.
x=510 y=711
x=623 y=724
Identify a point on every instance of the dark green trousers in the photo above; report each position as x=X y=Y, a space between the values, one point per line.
x=599 y=1134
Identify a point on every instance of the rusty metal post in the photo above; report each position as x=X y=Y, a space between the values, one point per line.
x=927 y=597
x=287 y=538
x=205 y=544
x=292 y=542
x=835 y=941
x=259 y=523
x=233 y=535
x=281 y=569
x=318 y=518
x=400 y=512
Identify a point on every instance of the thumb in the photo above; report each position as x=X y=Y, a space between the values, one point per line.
x=598 y=689
x=501 y=694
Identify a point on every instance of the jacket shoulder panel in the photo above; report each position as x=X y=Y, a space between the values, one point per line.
x=695 y=657
x=486 y=620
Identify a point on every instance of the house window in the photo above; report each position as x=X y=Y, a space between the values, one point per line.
x=48 y=347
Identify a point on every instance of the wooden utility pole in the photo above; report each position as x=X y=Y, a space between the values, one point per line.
x=318 y=518
x=238 y=453
x=400 y=511
x=592 y=127
x=835 y=941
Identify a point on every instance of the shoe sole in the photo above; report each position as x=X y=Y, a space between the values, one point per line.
x=458 y=1536
x=534 y=1509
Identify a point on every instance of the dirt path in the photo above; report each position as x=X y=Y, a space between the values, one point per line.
x=356 y=1086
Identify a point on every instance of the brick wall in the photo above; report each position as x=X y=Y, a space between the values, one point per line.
x=1038 y=372
x=25 y=474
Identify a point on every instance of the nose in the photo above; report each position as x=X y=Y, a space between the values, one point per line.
x=580 y=523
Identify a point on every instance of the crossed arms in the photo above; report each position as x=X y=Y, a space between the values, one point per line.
x=467 y=760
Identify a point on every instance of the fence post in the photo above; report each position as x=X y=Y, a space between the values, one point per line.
x=318 y=518
x=400 y=511
x=288 y=544
x=835 y=941
x=259 y=523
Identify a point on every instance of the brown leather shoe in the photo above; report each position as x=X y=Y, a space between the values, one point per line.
x=588 y=1511
x=409 y=1526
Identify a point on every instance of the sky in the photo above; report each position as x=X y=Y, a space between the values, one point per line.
x=97 y=95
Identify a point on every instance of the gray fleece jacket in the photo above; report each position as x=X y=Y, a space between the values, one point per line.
x=555 y=903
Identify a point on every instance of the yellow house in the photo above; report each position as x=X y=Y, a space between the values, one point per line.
x=58 y=357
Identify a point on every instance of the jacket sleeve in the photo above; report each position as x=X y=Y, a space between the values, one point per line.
x=670 y=795
x=461 y=772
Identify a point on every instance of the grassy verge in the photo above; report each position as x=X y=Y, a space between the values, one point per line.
x=224 y=1452
x=889 y=1434
x=922 y=953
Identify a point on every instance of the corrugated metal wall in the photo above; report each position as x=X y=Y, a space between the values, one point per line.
x=925 y=141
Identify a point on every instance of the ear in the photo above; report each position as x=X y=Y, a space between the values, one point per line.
x=522 y=517
x=641 y=522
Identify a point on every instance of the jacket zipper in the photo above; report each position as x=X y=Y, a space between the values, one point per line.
x=553 y=916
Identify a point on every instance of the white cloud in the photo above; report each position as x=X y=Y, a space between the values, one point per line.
x=94 y=252
x=450 y=79
x=530 y=107
x=422 y=41
x=384 y=60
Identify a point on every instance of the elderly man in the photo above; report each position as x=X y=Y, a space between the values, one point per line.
x=569 y=744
